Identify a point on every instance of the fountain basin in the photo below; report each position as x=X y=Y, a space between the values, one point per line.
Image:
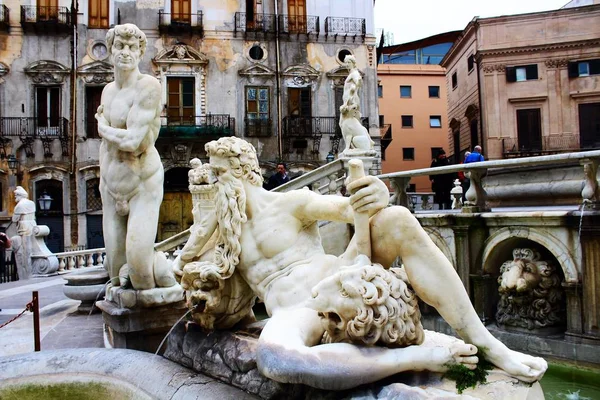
x=87 y=285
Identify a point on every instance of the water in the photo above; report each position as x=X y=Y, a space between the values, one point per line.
x=564 y=382
x=171 y=330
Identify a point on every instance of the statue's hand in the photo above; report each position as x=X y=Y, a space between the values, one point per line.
x=369 y=194
x=178 y=265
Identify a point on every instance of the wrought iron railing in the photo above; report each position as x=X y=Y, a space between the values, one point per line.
x=307 y=24
x=45 y=14
x=546 y=145
x=258 y=127
x=4 y=17
x=256 y=23
x=28 y=129
x=8 y=266
x=180 y=22
x=209 y=125
x=345 y=26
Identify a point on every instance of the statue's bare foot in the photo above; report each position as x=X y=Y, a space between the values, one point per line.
x=458 y=353
x=521 y=366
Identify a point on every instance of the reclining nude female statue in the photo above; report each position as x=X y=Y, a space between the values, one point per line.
x=327 y=312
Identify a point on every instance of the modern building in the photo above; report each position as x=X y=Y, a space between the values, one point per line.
x=270 y=71
x=526 y=84
x=413 y=105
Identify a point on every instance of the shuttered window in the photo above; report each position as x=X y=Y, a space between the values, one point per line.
x=98 y=14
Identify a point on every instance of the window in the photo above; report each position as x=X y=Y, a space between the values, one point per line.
x=454 y=81
x=470 y=62
x=474 y=132
x=93 y=199
x=529 y=129
x=93 y=95
x=48 y=106
x=434 y=91
x=408 y=153
x=342 y=55
x=181 y=11
x=522 y=73
x=98 y=14
x=405 y=91
x=407 y=121
x=381 y=120
x=180 y=101
x=435 y=151
x=584 y=68
x=257 y=120
x=379 y=91
x=256 y=53
x=435 y=121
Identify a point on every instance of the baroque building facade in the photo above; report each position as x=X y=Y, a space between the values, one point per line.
x=270 y=71
x=523 y=85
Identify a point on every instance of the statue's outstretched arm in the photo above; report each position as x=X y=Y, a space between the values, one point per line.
x=289 y=351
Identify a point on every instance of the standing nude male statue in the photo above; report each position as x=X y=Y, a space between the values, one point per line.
x=268 y=245
x=131 y=172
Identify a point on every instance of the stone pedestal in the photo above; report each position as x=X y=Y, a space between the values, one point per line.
x=86 y=285
x=231 y=358
x=139 y=328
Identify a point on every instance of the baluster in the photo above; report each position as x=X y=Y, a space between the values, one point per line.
x=476 y=194
x=400 y=198
x=90 y=260
x=332 y=187
x=100 y=259
x=71 y=263
x=315 y=187
x=61 y=264
x=80 y=261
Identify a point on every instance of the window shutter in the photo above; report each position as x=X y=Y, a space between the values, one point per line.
x=594 y=67
x=532 y=71
x=511 y=74
x=573 y=68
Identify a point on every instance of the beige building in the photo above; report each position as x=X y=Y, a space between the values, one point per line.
x=526 y=84
x=413 y=105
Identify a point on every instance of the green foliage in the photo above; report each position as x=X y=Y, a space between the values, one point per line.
x=466 y=378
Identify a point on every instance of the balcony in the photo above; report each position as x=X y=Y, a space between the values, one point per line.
x=299 y=24
x=205 y=127
x=386 y=138
x=180 y=23
x=28 y=129
x=257 y=23
x=346 y=27
x=4 y=18
x=258 y=127
x=46 y=19
x=302 y=135
x=546 y=145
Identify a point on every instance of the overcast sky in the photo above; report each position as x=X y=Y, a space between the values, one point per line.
x=416 y=19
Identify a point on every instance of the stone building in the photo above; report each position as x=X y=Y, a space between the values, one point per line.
x=270 y=71
x=526 y=84
x=413 y=102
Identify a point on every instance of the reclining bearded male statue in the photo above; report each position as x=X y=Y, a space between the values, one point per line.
x=327 y=312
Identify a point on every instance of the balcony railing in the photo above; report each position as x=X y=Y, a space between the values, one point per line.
x=178 y=23
x=4 y=18
x=386 y=138
x=346 y=26
x=204 y=126
x=45 y=19
x=546 y=145
x=257 y=23
x=29 y=129
x=305 y=133
x=258 y=127
x=299 y=24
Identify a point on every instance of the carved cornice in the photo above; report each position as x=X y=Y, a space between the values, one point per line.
x=180 y=54
x=489 y=68
x=545 y=47
x=96 y=72
x=257 y=70
x=47 y=72
x=560 y=63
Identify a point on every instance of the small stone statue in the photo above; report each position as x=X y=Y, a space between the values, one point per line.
x=356 y=136
x=131 y=172
x=24 y=214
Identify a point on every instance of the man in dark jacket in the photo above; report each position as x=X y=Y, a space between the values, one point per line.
x=278 y=178
x=442 y=184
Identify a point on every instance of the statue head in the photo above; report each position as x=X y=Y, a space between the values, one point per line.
x=368 y=304
x=126 y=45
x=234 y=156
x=530 y=292
x=20 y=193
x=350 y=61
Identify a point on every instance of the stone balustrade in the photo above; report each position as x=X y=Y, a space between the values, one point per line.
x=71 y=260
x=327 y=179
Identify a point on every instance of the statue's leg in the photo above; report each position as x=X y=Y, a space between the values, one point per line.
x=141 y=232
x=396 y=232
x=288 y=351
x=114 y=229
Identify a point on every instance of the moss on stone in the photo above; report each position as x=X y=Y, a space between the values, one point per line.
x=62 y=391
x=468 y=378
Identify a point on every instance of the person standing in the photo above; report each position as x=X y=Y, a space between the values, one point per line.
x=278 y=178
x=442 y=184
x=475 y=156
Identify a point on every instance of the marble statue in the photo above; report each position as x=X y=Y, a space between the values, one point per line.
x=356 y=137
x=32 y=256
x=321 y=306
x=531 y=295
x=131 y=172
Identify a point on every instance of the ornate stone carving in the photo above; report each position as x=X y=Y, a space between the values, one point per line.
x=97 y=72
x=300 y=75
x=47 y=72
x=560 y=63
x=489 y=68
x=531 y=295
